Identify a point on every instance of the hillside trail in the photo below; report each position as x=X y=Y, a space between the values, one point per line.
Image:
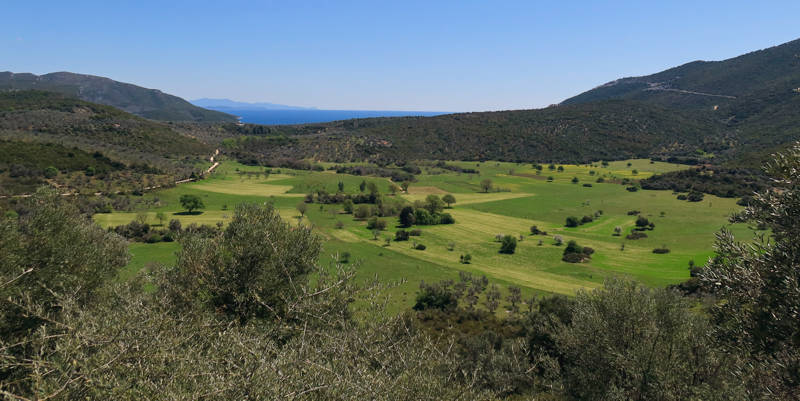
x=213 y=159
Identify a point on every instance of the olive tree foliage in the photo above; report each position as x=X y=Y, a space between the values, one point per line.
x=235 y=319
x=628 y=342
x=51 y=252
x=252 y=269
x=49 y=255
x=759 y=284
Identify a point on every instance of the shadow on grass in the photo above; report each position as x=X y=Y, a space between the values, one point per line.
x=194 y=213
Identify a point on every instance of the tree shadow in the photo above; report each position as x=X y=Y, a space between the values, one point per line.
x=194 y=213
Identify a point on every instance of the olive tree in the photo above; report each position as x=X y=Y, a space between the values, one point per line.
x=759 y=282
x=449 y=199
x=250 y=271
x=191 y=202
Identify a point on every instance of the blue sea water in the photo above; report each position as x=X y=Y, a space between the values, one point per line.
x=276 y=117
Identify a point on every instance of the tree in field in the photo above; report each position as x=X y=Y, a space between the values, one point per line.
x=160 y=216
x=302 y=207
x=433 y=204
x=405 y=185
x=362 y=186
x=572 y=221
x=191 y=202
x=449 y=199
x=617 y=231
x=486 y=185
x=341 y=186
x=759 y=282
x=508 y=244
x=393 y=188
x=407 y=218
x=642 y=222
x=372 y=188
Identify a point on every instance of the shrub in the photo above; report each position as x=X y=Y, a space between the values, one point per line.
x=420 y=247
x=694 y=196
x=587 y=219
x=415 y=232
x=587 y=185
x=575 y=180
x=558 y=240
x=632 y=188
x=682 y=197
x=423 y=217
x=446 y=218
x=573 y=257
x=435 y=296
x=536 y=231
x=633 y=212
x=642 y=222
x=362 y=211
x=508 y=245
x=401 y=235
x=572 y=221
x=600 y=180
x=466 y=259
x=573 y=247
x=636 y=235
x=376 y=224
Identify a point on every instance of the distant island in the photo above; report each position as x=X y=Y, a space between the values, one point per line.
x=233 y=104
x=281 y=114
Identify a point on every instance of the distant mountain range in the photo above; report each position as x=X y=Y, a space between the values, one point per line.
x=148 y=103
x=234 y=105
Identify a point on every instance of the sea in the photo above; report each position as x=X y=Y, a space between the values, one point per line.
x=280 y=117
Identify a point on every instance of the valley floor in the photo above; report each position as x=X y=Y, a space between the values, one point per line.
x=522 y=198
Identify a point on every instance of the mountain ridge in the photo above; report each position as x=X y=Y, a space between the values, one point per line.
x=149 y=103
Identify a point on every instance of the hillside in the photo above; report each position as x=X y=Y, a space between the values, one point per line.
x=148 y=103
x=698 y=84
x=754 y=96
x=46 y=129
x=605 y=130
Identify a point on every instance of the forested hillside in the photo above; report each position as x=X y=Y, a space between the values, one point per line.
x=149 y=103
x=49 y=136
x=598 y=131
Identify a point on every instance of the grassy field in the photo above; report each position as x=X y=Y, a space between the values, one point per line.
x=522 y=198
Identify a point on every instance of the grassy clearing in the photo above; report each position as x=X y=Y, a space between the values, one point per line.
x=524 y=199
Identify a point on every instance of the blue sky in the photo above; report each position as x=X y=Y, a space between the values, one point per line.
x=399 y=55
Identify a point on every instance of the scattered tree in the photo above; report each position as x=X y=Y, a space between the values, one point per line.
x=191 y=202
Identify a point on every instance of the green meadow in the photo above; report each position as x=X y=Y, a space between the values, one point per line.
x=521 y=197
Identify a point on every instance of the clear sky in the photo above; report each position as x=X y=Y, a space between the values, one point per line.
x=383 y=55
